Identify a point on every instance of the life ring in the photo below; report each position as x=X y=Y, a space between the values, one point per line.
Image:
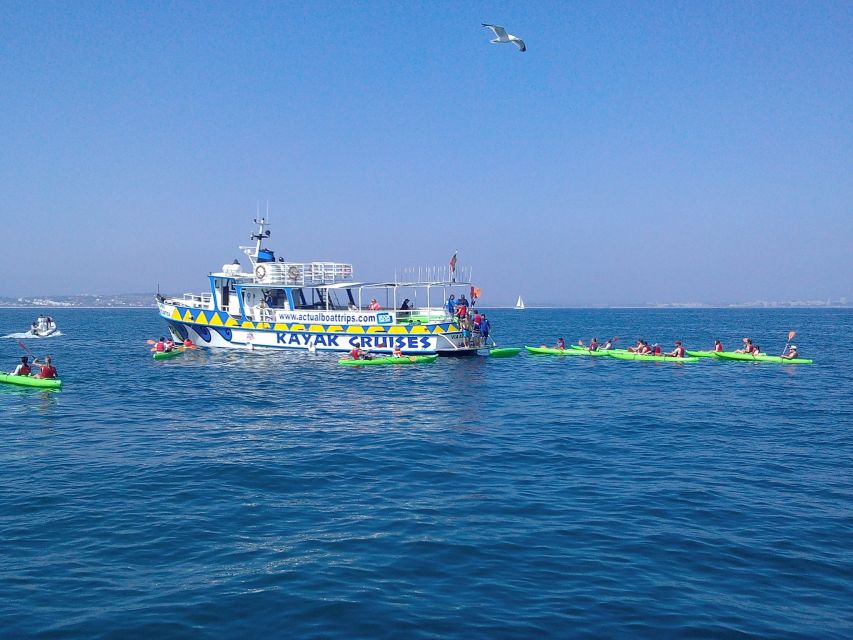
x=260 y=271
x=293 y=272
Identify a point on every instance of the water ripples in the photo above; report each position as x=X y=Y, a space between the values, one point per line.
x=232 y=494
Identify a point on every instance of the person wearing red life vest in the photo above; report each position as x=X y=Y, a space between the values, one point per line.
x=160 y=345
x=47 y=368
x=718 y=346
x=22 y=369
x=678 y=352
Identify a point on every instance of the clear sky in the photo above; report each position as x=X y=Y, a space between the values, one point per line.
x=638 y=151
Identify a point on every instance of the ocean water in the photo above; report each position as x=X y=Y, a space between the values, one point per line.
x=247 y=494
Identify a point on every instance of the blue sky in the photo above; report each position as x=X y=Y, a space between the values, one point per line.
x=636 y=152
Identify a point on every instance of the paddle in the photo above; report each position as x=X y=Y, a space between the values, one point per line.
x=791 y=336
x=24 y=347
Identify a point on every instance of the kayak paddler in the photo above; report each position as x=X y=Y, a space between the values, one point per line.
x=747 y=346
x=678 y=352
x=160 y=345
x=718 y=346
x=561 y=344
x=22 y=369
x=593 y=345
x=397 y=352
x=48 y=371
x=791 y=353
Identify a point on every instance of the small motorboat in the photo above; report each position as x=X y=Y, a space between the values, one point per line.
x=43 y=327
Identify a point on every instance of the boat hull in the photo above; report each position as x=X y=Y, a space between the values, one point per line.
x=216 y=329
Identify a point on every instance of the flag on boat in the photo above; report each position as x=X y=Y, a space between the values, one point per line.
x=453 y=261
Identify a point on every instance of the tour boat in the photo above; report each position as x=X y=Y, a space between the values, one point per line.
x=319 y=306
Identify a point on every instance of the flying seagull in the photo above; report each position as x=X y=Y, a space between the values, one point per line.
x=502 y=37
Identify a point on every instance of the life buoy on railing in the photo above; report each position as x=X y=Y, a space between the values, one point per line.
x=293 y=272
x=260 y=271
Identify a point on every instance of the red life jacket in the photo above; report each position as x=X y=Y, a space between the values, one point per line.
x=47 y=372
x=24 y=370
x=719 y=347
x=354 y=354
x=159 y=347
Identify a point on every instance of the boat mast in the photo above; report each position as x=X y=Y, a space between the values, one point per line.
x=260 y=236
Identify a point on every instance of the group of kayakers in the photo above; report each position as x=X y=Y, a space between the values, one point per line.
x=644 y=348
x=751 y=348
x=46 y=368
x=163 y=345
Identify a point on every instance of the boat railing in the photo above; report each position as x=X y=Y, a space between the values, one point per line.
x=302 y=273
x=193 y=300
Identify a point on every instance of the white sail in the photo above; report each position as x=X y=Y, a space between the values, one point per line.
x=520 y=303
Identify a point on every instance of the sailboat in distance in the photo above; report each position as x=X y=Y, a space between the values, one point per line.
x=520 y=304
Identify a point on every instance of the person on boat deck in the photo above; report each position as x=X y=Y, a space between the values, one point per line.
x=374 y=305
x=791 y=353
x=485 y=328
x=678 y=352
x=561 y=344
x=461 y=309
x=718 y=346
x=47 y=368
x=593 y=345
x=406 y=306
x=397 y=352
x=450 y=305
x=465 y=322
x=22 y=369
x=160 y=345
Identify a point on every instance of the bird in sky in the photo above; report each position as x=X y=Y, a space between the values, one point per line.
x=502 y=37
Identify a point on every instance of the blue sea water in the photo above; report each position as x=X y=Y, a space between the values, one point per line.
x=248 y=494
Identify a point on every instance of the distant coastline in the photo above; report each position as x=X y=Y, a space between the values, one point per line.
x=147 y=301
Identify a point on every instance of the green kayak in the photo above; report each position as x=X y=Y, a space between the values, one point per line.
x=551 y=351
x=746 y=357
x=504 y=352
x=29 y=381
x=388 y=360
x=165 y=355
x=622 y=355
x=700 y=354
